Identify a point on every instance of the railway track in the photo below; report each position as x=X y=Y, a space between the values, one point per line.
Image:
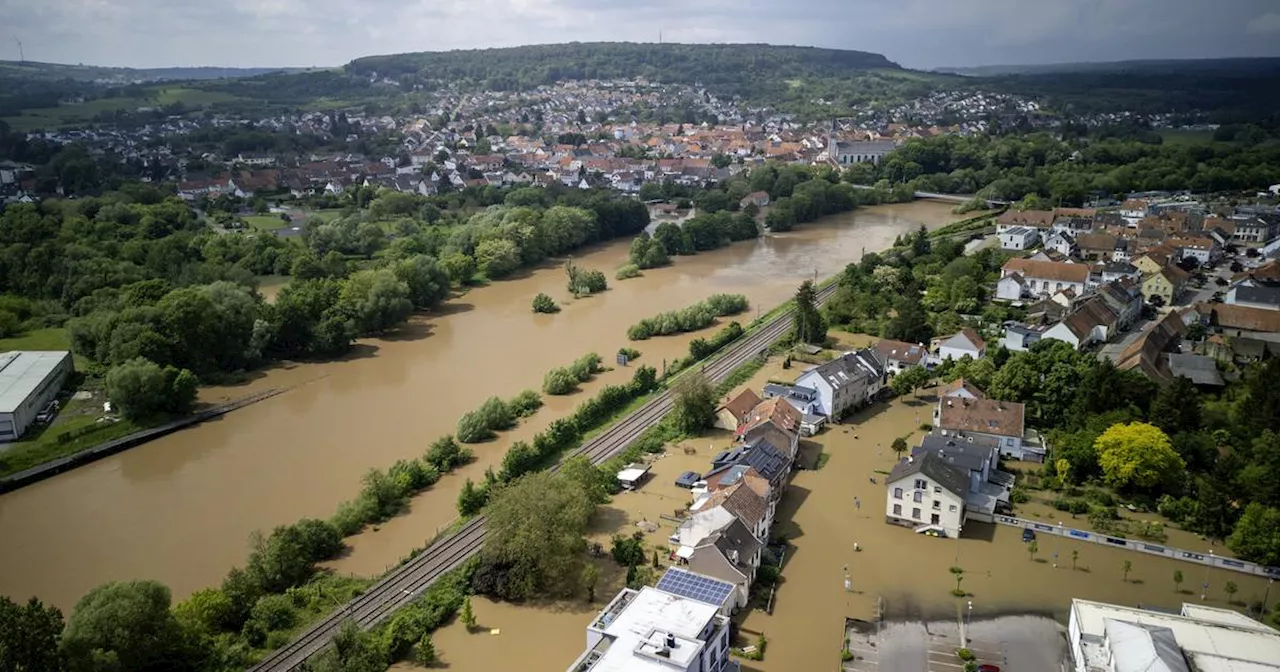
x=407 y=582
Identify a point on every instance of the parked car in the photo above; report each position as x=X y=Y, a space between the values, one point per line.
x=1028 y=535
x=688 y=479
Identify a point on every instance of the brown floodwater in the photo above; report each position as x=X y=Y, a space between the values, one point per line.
x=909 y=572
x=180 y=509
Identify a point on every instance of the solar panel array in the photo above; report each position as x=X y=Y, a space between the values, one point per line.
x=695 y=586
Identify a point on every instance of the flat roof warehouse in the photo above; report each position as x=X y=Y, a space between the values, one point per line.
x=22 y=372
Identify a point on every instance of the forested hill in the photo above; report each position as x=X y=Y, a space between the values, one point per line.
x=88 y=73
x=1236 y=67
x=724 y=67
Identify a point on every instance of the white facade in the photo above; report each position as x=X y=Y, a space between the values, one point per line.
x=29 y=380
x=1009 y=288
x=655 y=631
x=844 y=383
x=1019 y=238
x=958 y=347
x=918 y=500
x=1059 y=242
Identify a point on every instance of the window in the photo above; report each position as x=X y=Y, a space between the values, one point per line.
x=919 y=497
x=897 y=509
x=921 y=484
x=937 y=489
x=953 y=508
x=937 y=505
x=897 y=493
x=915 y=513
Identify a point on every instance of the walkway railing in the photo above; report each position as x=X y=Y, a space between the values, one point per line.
x=1147 y=547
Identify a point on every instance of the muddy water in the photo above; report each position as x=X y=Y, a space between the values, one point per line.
x=909 y=571
x=180 y=509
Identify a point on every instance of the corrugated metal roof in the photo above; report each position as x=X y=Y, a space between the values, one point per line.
x=22 y=371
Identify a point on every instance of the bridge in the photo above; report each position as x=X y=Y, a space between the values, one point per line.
x=950 y=198
x=407 y=582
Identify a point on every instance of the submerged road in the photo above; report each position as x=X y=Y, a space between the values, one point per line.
x=406 y=583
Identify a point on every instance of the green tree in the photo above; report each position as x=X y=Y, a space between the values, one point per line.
x=910 y=323
x=468 y=615
x=1177 y=580
x=1075 y=555
x=471 y=499
x=497 y=257
x=459 y=267
x=426 y=279
x=376 y=300
x=958 y=573
x=535 y=543
x=140 y=388
x=910 y=380
x=1126 y=568
x=127 y=626
x=207 y=611
x=544 y=304
x=1230 y=588
x=590 y=577
x=424 y=652
x=808 y=323
x=1177 y=407
x=1032 y=548
x=694 y=406
x=899 y=447
x=29 y=636
x=594 y=482
x=1257 y=535
x=1137 y=455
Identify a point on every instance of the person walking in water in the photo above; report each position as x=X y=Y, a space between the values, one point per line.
x=857 y=503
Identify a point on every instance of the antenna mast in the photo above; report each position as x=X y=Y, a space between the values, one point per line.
x=21 y=57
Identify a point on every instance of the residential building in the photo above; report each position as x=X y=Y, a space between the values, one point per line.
x=1061 y=243
x=1235 y=321
x=1168 y=283
x=1001 y=421
x=1092 y=321
x=895 y=356
x=1148 y=354
x=844 y=383
x=960 y=389
x=769 y=460
x=758 y=198
x=1020 y=337
x=743 y=492
x=1257 y=296
x=1254 y=230
x=684 y=583
x=1019 y=238
x=847 y=153
x=1026 y=277
x=1101 y=246
x=733 y=412
x=29 y=380
x=1115 y=270
x=964 y=343
x=1199 y=369
x=1124 y=297
x=989 y=487
x=926 y=493
x=805 y=400
x=1113 y=638
x=1203 y=249
x=1035 y=219
x=651 y=630
x=777 y=412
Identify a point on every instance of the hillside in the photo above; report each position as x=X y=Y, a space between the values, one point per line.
x=1235 y=67
x=727 y=67
x=94 y=73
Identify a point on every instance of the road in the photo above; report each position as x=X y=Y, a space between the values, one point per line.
x=407 y=582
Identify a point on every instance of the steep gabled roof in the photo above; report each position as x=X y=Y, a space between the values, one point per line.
x=952 y=478
x=740 y=406
x=982 y=416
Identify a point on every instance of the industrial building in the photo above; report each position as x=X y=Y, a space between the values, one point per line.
x=1114 y=638
x=29 y=380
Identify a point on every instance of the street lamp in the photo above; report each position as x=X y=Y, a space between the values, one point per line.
x=1204 y=588
x=1266 y=597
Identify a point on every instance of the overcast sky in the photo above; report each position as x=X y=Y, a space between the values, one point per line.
x=914 y=33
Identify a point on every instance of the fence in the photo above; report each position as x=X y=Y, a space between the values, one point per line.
x=1207 y=559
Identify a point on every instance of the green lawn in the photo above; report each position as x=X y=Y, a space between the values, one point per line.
x=40 y=445
x=266 y=222
x=52 y=338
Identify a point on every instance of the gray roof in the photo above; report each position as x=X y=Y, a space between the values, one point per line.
x=21 y=373
x=1119 y=267
x=1269 y=296
x=970 y=456
x=1198 y=369
x=953 y=478
x=849 y=367
x=771 y=461
x=1138 y=647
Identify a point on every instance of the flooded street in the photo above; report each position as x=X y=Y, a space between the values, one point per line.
x=909 y=571
x=180 y=509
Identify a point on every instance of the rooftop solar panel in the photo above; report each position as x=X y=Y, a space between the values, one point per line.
x=695 y=586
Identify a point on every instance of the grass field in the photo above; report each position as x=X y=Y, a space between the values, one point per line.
x=41 y=444
x=53 y=338
x=266 y=222
x=82 y=113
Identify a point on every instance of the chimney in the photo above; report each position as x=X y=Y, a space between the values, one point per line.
x=671 y=641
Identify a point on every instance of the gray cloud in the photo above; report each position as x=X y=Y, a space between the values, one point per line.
x=916 y=33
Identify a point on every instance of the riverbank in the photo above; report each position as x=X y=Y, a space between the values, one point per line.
x=299 y=454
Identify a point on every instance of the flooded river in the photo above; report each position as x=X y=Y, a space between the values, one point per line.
x=180 y=509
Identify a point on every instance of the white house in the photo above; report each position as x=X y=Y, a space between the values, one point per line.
x=926 y=494
x=1203 y=250
x=1060 y=242
x=844 y=383
x=652 y=629
x=1019 y=337
x=1019 y=238
x=898 y=355
x=1042 y=278
x=964 y=343
x=1092 y=321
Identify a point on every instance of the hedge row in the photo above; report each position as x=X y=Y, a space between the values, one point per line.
x=564 y=380
x=691 y=318
x=385 y=493
x=561 y=435
x=496 y=415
